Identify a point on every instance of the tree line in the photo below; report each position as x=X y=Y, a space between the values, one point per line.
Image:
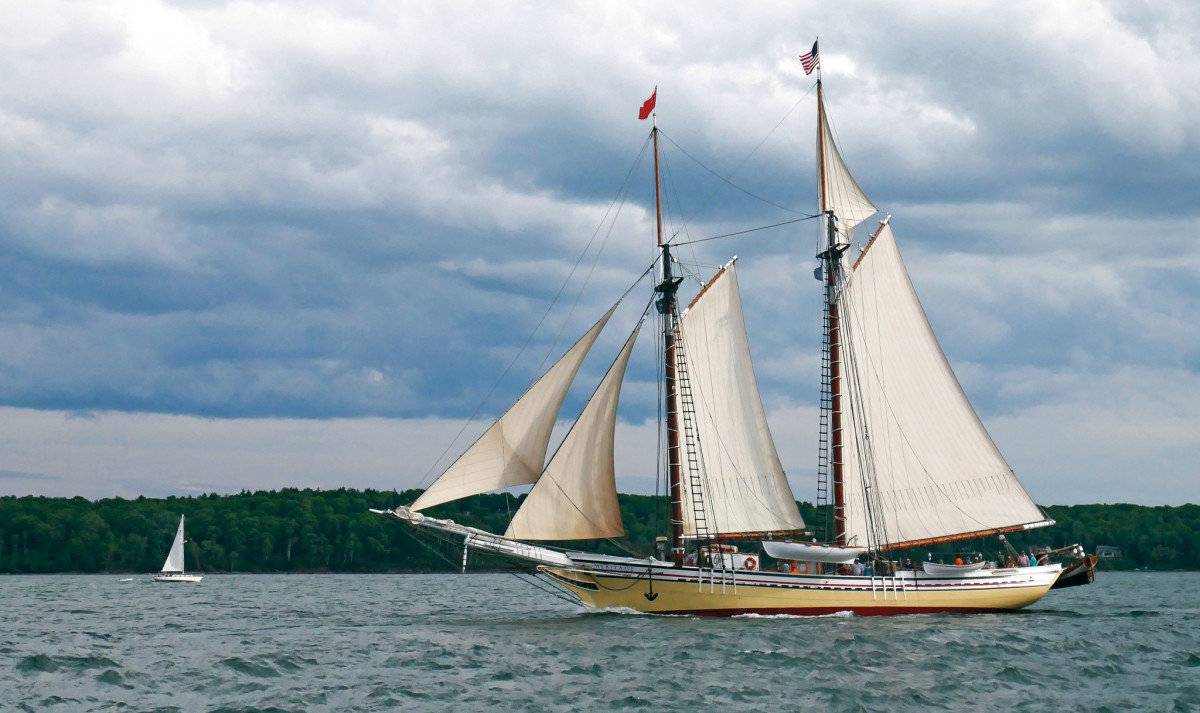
x=307 y=530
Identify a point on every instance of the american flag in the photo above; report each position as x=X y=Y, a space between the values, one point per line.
x=811 y=61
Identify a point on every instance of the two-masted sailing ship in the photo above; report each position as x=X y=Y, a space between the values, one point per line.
x=904 y=461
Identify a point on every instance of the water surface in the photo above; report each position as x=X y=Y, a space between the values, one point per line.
x=490 y=641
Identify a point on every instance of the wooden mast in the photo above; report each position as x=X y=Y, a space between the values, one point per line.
x=666 y=307
x=832 y=255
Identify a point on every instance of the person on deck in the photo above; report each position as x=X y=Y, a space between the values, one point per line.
x=856 y=569
x=1023 y=560
x=958 y=560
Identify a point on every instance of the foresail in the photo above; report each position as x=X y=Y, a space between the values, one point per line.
x=174 y=561
x=837 y=191
x=513 y=451
x=910 y=437
x=576 y=497
x=742 y=481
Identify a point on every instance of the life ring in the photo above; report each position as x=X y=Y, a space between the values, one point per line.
x=749 y=563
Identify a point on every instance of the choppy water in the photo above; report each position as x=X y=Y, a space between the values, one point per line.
x=485 y=642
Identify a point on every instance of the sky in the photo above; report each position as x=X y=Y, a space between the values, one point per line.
x=257 y=245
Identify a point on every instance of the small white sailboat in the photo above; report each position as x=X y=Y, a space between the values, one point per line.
x=172 y=569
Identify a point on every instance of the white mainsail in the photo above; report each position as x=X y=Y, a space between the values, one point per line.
x=513 y=451
x=837 y=191
x=174 y=561
x=743 y=486
x=576 y=497
x=917 y=462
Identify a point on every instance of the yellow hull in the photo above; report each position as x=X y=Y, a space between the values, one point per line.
x=684 y=591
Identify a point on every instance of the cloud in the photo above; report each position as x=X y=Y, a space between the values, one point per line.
x=329 y=213
x=16 y=475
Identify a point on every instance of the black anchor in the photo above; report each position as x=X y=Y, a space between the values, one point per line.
x=651 y=594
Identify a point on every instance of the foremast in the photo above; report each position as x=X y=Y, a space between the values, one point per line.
x=668 y=308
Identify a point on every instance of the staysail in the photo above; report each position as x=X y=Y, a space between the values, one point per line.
x=576 y=497
x=513 y=451
x=743 y=486
x=918 y=463
x=174 y=561
x=837 y=191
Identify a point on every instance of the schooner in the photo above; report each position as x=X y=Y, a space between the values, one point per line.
x=904 y=461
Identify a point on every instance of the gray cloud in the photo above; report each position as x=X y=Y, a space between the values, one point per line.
x=329 y=211
x=16 y=475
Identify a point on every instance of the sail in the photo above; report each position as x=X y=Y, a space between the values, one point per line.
x=837 y=191
x=174 y=561
x=917 y=462
x=513 y=451
x=742 y=484
x=576 y=497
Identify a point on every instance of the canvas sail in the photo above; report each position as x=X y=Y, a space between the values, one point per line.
x=743 y=485
x=513 y=451
x=917 y=461
x=837 y=191
x=174 y=561
x=576 y=497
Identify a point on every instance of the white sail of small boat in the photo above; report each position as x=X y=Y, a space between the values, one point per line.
x=904 y=461
x=172 y=569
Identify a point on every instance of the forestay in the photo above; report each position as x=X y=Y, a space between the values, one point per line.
x=513 y=451
x=743 y=485
x=576 y=497
x=909 y=432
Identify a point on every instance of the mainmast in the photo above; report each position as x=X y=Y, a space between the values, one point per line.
x=667 y=308
x=831 y=260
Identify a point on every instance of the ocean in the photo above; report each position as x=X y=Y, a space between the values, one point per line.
x=483 y=642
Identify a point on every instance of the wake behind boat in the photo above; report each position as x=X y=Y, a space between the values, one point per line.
x=172 y=569
x=904 y=462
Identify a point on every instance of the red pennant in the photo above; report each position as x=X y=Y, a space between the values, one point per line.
x=648 y=106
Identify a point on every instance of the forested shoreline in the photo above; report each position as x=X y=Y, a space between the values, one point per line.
x=295 y=530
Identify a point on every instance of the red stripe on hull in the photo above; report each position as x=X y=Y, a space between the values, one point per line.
x=825 y=611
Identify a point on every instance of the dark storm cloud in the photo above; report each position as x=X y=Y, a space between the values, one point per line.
x=340 y=211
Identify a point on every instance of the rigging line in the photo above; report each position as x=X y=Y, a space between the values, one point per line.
x=660 y=378
x=619 y=300
x=727 y=182
x=672 y=196
x=753 y=151
x=424 y=542
x=947 y=498
x=689 y=424
x=724 y=450
x=856 y=417
x=466 y=424
x=674 y=193
x=536 y=584
x=744 y=232
x=619 y=201
x=545 y=474
x=863 y=443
